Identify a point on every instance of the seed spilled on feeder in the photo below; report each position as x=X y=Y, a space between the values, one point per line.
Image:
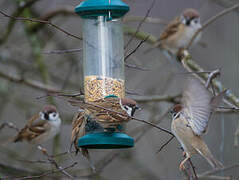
x=97 y=87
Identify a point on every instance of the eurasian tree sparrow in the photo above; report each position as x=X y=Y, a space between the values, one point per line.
x=41 y=127
x=179 y=32
x=84 y=121
x=125 y=107
x=191 y=118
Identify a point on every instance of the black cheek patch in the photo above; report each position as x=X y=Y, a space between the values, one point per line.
x=133 y=111
x=46 y=116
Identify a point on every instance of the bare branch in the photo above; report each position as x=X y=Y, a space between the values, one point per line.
x=226 y=3
x=44 y=174
x=157 y=98
x=31 y=83
x=130 y=117
x=211 y=76
x=147 y=20
x=214 y=171
x=141 y=23
x=65 y=51
x=137 y=47
x=10 y=125
x=165 y=144
x=41 y=21
x=131 y=66
x=52 y=161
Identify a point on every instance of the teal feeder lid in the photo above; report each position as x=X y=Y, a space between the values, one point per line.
x=95 y=8
x=106 y=140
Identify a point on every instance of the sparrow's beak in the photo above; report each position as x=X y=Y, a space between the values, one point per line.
x=134 y=109
x=171 y=111
x=138 y=108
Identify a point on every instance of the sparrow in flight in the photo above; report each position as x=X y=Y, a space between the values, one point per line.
x=191 y=118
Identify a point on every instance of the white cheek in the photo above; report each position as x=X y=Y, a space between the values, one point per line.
x=129 y=111
x=53 y=118
x=41 y=115
x=195 y=26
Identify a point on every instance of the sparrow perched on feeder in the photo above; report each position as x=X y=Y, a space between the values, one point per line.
x=89 y=114
x=191 y=118
x=179 y=32
x=41 y=127
x=110 y=111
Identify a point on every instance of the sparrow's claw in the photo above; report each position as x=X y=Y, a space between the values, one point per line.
x=181 y=166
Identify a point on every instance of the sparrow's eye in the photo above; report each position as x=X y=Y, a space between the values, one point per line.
x=53 y=115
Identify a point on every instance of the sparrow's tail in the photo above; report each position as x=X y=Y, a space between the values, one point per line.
x=214 y=162
x=86 y=154
x=210 y=159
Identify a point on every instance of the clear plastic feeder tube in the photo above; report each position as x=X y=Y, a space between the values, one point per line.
x=103 y=58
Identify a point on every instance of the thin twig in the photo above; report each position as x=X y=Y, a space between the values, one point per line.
x=31 y=83
x=136 y=48
x=193 y=168
x=131 y=66
x=46 y=173
x=147 y=20
x=41 y=21
x=141 y=23
x=214 y=171
x=211 y=20
x=52 y=161
x=65 y=51
x=10 y=125
x=165 y=144
x=211 y=76
x=157 y=98
x=119 y=113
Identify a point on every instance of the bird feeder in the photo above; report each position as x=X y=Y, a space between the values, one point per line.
x=103 y=63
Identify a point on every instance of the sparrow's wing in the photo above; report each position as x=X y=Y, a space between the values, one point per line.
x=78 y=129
x=33 y=119
x=40 y=127
x=170 y=29
x=196 y=105
x=28 y=132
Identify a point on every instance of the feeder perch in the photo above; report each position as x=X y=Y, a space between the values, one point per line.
x=103 y=65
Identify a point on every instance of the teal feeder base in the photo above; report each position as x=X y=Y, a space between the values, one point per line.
x=106 y=140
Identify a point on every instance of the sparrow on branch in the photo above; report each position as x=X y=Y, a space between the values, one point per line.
x=41 y=127
x=179 y=32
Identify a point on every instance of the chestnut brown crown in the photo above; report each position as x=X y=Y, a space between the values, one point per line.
x=190 y=13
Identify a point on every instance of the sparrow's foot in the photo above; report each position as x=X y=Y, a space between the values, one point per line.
x=181 y=166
